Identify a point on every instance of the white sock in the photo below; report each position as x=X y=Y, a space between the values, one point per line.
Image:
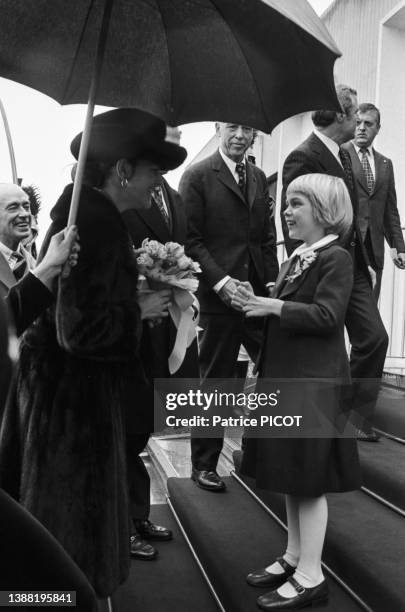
x=276 y=568
x=307 y=581
x=290 y=558
x=287 y=590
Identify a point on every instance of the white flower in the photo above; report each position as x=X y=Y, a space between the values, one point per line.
x=174 y=249
x=303 y=262
x=144 y=260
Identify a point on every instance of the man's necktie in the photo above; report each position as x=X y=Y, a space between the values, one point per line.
x=347 y=167
x=367 y=169
x=20 y=266
x=240 y=170
x=158 y=199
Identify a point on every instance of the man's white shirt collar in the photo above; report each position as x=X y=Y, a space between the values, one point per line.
x=329 y=143
x=303 y=248
x=9 y=253
x=231 y=164
x=368 y=149
x=6 y=251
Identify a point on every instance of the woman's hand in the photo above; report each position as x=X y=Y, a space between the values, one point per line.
x=154 y=304
x=63 y=249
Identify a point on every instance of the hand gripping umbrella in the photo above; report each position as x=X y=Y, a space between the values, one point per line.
x=254 y=62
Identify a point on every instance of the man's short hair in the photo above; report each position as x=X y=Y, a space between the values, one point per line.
x=330 y=200
x=323 y=118
x=366 y=107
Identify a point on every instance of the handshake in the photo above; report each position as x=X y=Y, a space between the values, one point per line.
x=240 y=296
x=235 y=293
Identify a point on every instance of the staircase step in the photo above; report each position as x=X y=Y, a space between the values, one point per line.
x=171 y=583
x=383 y=470
x=390 y=411
x=364 y=544
x=233 y=535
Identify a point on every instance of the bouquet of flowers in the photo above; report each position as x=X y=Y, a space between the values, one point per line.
x=166 y=265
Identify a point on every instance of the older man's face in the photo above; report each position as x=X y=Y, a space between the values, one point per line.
x=234 y=139
x=348 y=125
x=15 y=215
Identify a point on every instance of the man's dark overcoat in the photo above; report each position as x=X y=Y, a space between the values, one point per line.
x=228 y=234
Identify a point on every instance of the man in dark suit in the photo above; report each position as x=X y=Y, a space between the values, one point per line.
x=15 y=226
x=377 y=211
x=164 y=221
x=232 y=236
x=321 y=153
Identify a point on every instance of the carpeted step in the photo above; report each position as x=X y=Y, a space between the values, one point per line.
x=383 y=469
x=172 y=583
x=390 y=411
x=364 y=544
x=233 y=535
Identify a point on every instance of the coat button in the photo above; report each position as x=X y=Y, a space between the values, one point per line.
x=352 y=243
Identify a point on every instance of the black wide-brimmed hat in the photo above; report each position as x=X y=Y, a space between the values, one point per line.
x=131 y=134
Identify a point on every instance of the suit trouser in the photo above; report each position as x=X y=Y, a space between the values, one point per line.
x=138 y=478
x=32 y=560
x=219 y=344
x=369 y=342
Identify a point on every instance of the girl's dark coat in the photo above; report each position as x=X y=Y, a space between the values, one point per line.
x=307 y=341
x=62 y=446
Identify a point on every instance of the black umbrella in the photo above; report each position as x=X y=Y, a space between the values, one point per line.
x=254 y=62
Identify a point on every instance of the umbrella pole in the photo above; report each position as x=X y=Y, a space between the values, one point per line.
x=9 y=143
x=77 y=186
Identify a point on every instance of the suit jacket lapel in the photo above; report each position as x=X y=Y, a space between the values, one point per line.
x=251 y=184
x=225 y=176
x=284 y=268
x=358 y=168
x=381 y=166
x=326 y=159
x=292 y=286
x=6 y=275
x=153 y=219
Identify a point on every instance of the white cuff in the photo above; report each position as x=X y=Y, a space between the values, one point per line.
x=218 y=286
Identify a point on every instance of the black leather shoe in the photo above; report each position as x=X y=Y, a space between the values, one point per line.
x=261 y=578
x=208 y=480
x=141 y=550
x=305 y=597
x=371 y=436
x=150 y=531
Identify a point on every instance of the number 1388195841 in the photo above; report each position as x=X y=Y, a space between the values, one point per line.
x=38 y=598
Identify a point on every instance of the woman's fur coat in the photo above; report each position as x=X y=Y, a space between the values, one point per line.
x=62 y=444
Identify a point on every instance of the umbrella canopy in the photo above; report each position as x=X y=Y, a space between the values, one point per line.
x=254 y=62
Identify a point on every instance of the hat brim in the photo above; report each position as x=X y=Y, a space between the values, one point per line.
x=167 y=155
x=128 y=133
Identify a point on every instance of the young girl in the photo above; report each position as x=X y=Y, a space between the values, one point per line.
x=305 y=339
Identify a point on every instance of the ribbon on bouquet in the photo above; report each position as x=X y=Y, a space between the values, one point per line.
x=184 y=312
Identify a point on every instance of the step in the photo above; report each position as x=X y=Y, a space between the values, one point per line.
x=390 y=411
x=383 y=470
x=233 y=535
x=364 y=544
x=171 y=583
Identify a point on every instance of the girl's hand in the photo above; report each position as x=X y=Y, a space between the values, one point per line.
x=257 y=306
